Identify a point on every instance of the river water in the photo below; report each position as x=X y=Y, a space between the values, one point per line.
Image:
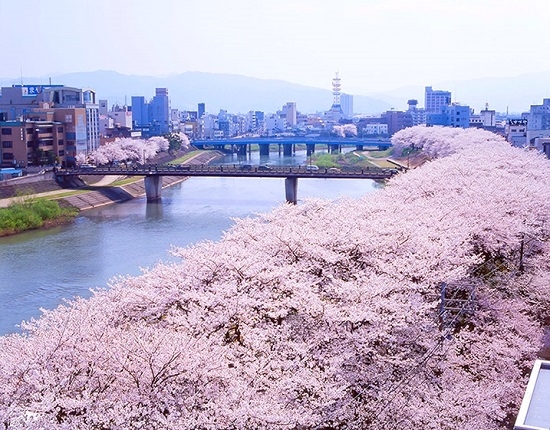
x=40 y=269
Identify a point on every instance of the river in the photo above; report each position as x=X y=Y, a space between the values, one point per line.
x=40 y=269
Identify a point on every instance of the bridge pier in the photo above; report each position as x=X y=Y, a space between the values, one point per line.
x=264 y=150
x=333 y=148
x=310 y=149
x=287 y=150
x=291 y=190
x=153 y=187
x=359 y=147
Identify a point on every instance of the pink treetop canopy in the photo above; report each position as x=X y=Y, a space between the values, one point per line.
x=127 y=149
x=321 y=315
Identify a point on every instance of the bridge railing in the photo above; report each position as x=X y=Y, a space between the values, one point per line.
x=223 y=169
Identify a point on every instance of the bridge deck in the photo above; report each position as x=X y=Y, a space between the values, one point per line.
x=295 y=140
x=235 y=171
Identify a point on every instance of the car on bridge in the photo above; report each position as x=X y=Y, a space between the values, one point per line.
x=87 y=166
x=312 y=168
x=264 y=167
x=333 y=170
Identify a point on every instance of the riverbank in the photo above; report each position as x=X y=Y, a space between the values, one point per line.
x=92 y=194
x=32 y=214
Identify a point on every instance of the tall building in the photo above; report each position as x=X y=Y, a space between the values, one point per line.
x=159 y=112
x=140 y=112
x=346 y=104
x=435 y=100
x=289 y=110
x=201 y=109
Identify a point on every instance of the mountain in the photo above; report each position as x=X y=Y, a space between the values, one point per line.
x=513 y=94
x=236 y=93
x=219 y=91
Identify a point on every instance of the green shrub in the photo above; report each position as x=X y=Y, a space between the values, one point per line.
x=30 y=214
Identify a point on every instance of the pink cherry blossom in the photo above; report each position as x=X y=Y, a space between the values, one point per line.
x=328 y=314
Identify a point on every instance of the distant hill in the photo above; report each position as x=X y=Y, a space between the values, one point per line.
x=514 y=94
x=219 y=91
x=236 y=93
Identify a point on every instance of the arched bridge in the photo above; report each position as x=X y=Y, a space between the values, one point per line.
x=240 y=144
x=153 y=174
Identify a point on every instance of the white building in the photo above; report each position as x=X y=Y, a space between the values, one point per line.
x=289 y=110
x=275 y=124
x=418 y=115
x=435 y=100
x=375 y=129
x=516 y=132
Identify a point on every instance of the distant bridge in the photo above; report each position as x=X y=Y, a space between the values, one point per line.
x=153 y=174
x=334 y=144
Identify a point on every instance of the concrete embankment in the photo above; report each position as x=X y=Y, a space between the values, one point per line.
x=109 y=195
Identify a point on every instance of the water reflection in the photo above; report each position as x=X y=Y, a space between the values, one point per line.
x=41 y=268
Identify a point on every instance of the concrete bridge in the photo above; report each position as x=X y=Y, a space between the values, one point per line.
x=153 y=174
x=287 y=144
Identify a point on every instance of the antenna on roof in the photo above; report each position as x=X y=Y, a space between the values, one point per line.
x=21 y=73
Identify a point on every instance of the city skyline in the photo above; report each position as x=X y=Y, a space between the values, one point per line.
x=374 y=45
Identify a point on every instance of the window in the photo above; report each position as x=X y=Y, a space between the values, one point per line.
x=7 y=156
x=6 y=131
x=29 y=130
x=60 y=142
x=61 y=153
x=60 y=129
x=7 y=144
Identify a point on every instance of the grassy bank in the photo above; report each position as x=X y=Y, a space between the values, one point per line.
x=356 y=159
x=30 y=214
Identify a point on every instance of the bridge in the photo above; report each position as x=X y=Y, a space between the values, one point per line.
x=334 y=144
x=153 y=174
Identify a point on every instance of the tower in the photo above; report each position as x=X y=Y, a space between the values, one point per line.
x=335 y=114
x=336 y=87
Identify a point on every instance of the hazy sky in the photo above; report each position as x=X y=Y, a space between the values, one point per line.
x=376 y=45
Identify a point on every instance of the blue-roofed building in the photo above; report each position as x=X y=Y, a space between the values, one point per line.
x=454 y=115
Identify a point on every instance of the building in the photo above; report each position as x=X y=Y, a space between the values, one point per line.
x=374 y=129
x=201 y=110
x=152 y=118
x=538 y=117
x=516 y=132
x=434 y=100
x=37 y=142
x=159 y=113
x=454 y=115
x=289 y=111
x=140 y=112
x=418 y=115
x=397 y=120
x=19 y=101
x=346 y=104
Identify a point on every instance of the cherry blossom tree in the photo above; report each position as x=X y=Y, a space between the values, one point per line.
x=345 y=130
x=418 y=306
x=127 y=149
